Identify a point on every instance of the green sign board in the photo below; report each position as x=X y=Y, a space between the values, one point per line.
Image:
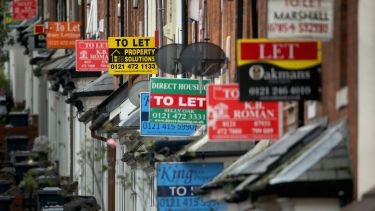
x=180 y=101
x=9 y=21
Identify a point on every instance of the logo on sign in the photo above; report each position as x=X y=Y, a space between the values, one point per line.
x=256 y=72
x=39 y=29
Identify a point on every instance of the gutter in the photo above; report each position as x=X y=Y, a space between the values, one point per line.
x=210 y=154
x=96 y=124
x=96 y=136
x=99 y=121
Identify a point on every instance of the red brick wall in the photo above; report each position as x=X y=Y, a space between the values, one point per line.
x=132 y=16
x=221 y=22
x=339 y=63
x=113 y=16
x=101 y=15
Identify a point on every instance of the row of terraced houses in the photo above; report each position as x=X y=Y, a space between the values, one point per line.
x=322 y=159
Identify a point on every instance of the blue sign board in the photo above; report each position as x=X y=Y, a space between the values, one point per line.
x=176 y=183
x=148 y=128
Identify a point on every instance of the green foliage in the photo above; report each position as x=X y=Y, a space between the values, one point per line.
x=30 y=182
x=125 y=180
x=108 y=127
x=3 y=29
x=4 y=83
x=104 y=168
x=3 y=36
x=100 y=154
x=149 y=144
x=90 y=159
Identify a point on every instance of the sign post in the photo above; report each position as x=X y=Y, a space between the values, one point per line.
x=229 y=119
x=180 y=101
x=132 y=55
x=279 y=70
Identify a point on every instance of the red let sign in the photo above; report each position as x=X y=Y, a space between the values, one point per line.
x=24 y=9
x=229 y=119
x=92 y=55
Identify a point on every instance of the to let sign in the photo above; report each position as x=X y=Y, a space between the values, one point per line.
x=148 y=128
x=8 y=16
x=177 y=183
x=91 y=55
x=279 y=70
x=62 y=34
x=178 y=101
x=39 y=37
x=229 y=119
x=24 y=9
x=300 y=18
x=132 y=55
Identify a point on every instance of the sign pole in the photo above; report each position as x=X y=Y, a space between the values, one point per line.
x=160 y=29
x=301 y=113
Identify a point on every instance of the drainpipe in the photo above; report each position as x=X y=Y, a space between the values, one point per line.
x=121 y=78
x=41 y=14
x=74 y=18
x=65 y=14
x=204 y=31
x=254 y=18
x=301 y=113
x=184 y=31
x=83 y=17
x=75 y=10
x=71 y=142
x=184 y=15
x=111 y=156
x=239 y=17
x=108 y=20
x=239 y=22
x=122 y=24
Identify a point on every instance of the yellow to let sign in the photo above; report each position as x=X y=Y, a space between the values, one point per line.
x=132 y=55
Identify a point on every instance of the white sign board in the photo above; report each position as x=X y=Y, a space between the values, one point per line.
x=311 y=19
